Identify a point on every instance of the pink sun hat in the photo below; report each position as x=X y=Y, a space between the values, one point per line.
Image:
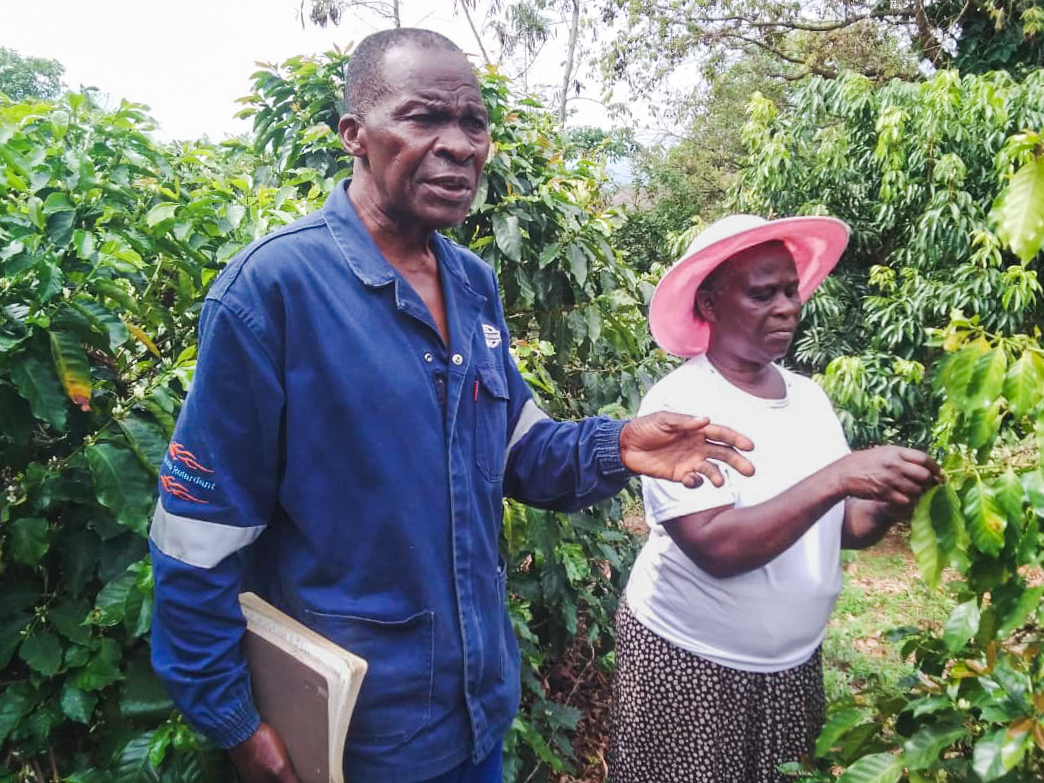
x=816 y=243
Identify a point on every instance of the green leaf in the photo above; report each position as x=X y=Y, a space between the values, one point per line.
x=37 y=383
x=60 y=227
x=987 y=378
x=948 y=520
x=958 y=372
x=1008 y=492
x=876 y=768
x=104 y=321
x=134 y=764
x=508 y=235
x=577 y=263
x=1033 y=483
x=1019 y=212
x=159 y=213
x=923 y=541
x=961 y=625
x=986 y=523
x=78 y=705
x=57 y=202
x=69 y=618
x=998 y=752
x=147 y=440
x=14 y=703
x=1028 y=603
x=925 y=747
x=70 y=363
x=30 y=539
x=110 y=605
x=1039 y=432
x=42 y=652
x=983 y=425
x=103 y=668
x=11 y=631
x=837 y=723
x=142 y=694
x=1024 y=384
x=121 y=484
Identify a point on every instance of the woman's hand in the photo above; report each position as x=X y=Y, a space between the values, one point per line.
x=682 y=448
x=263 y=758
x=888 y=474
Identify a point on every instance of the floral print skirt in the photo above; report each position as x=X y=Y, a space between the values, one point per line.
x=678 y=718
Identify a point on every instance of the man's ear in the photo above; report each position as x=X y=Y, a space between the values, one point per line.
x=353 y=135
x=704 y=305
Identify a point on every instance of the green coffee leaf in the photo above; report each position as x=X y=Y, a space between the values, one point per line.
x=998 y=752
x=875 y=768
x=121 y=484
x=134 y=764
x=1019 y=212
x=508 y=235
x=837 y=723
x=159 y=213
x=42 y=652
x=961 y=625
x=37 y=383
x=948 y=520
x=987 y=380
x=986 y=523
x=78 y=705
x=1024 y=383
x=923 y=540
x=14 y=703
x=30 y=539
x=103 y=668
x=1028 y=603
x=926 y=746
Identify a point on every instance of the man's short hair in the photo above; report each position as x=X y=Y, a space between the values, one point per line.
x=364 y=82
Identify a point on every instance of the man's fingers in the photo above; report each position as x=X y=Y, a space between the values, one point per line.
x=728 y=436
x=731 y=458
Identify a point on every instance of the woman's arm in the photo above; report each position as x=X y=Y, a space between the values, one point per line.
x=728 y=541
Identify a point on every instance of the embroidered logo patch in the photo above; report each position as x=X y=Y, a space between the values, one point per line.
x=180 y=454
x=492 y=334
x=179 y=490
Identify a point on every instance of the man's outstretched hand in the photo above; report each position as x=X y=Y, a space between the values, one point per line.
x=681 y=448
x=263 y=758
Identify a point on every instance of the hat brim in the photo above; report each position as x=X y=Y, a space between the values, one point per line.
x=815 y=242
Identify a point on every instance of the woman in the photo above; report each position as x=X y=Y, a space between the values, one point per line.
x=719 y=677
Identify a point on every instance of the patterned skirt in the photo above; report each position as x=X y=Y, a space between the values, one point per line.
x=678 y=718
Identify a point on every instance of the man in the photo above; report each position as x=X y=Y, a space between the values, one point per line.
x=356 y=419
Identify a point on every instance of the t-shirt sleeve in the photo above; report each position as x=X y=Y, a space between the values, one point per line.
x=666 y=500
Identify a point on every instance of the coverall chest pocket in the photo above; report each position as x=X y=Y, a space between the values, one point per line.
x=491 y=406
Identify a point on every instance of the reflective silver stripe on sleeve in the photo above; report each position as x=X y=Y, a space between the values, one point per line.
x=529 y=416
x=198 y=543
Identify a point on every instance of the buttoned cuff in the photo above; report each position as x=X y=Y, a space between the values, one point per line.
x=236 y=727
x=607 y=450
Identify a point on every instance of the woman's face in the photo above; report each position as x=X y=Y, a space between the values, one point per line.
x=753 y=306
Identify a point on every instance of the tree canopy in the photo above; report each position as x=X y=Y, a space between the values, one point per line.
x=22 y=78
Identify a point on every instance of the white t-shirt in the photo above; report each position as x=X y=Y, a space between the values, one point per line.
x=774 y=617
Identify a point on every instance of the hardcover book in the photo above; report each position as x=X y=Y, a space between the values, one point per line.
x=304 y=686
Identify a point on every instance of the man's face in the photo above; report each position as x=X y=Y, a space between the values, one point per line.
x=426 y=141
